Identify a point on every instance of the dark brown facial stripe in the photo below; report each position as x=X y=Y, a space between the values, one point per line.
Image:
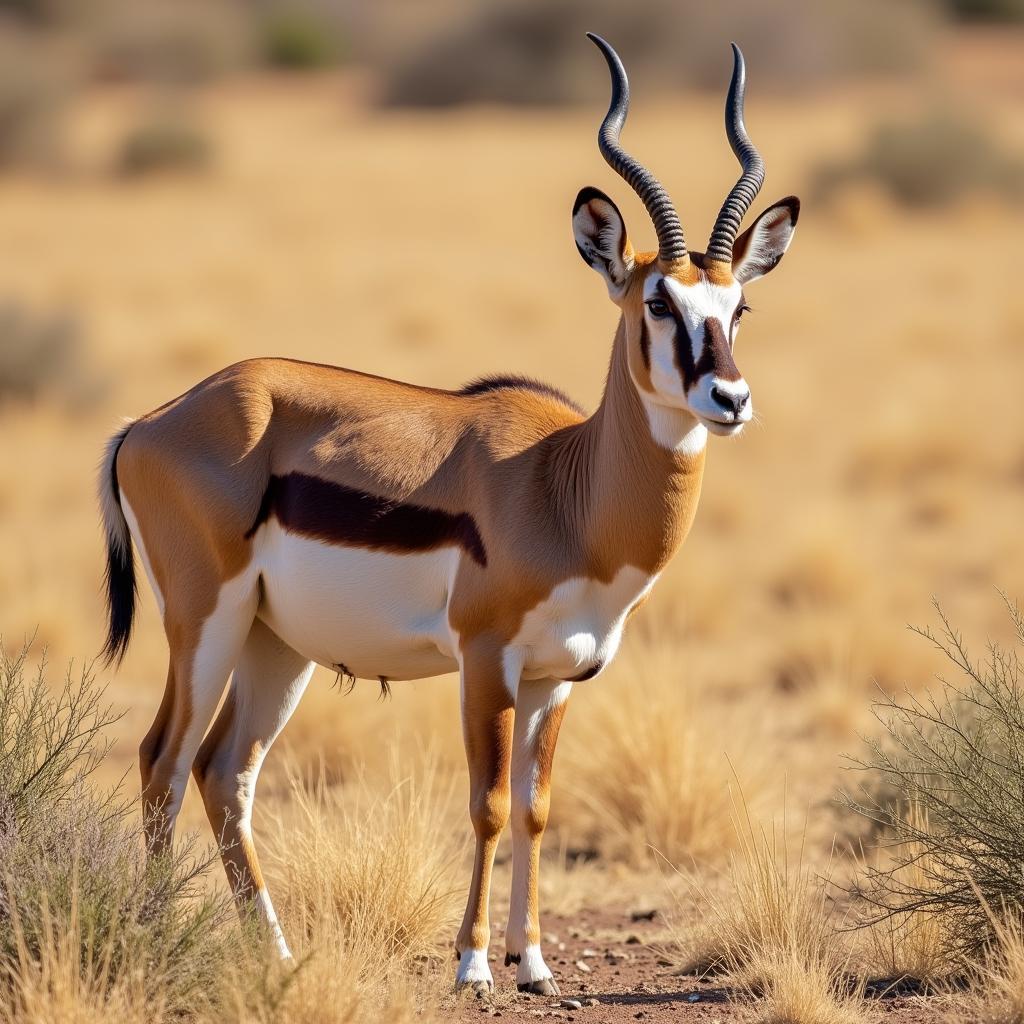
x=716 y=352
x=716 y=356
x=343 y=515
x=645 y=343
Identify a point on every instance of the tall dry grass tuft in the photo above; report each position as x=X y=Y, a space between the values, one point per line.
x=662 y=785
x=69 y=977
x=915 y=944
x=999 y=996
x=768 y=924
x=376 y=873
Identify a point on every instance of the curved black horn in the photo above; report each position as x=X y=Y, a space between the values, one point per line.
x=671 y=243
x=745 y=190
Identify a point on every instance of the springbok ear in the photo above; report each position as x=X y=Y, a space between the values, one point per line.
x=601 y=238
x=765 y=242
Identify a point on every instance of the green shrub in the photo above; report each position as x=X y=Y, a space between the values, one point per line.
x=164 y=141
x=73 y=858
x=945 y=782
x=298 y=40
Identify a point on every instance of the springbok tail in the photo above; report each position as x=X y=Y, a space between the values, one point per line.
x=120 y=573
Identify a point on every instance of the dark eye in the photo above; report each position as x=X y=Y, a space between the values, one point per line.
x=741 y=310
x=657 y=308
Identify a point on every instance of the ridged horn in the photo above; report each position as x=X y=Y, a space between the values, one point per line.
x=749 y=184
x=671 y=243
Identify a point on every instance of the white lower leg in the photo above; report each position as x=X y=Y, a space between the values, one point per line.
x=473 y=969
x=265 y=909
x=521 y=939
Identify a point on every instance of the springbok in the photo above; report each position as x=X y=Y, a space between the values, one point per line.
x=290 y=514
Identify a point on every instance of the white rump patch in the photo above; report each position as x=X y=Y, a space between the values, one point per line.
x=133 y=527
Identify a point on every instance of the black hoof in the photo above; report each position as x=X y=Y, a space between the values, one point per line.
x=543 y=987
x=481 y=989
x=512 y=958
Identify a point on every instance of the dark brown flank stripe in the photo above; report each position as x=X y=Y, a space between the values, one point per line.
x=343 y=515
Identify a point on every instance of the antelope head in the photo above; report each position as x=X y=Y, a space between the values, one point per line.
x=681 y=310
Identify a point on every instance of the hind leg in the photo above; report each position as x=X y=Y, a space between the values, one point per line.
x=269 y=680
x=201 y=659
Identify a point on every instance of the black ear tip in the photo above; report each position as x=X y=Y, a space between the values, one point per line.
x=585 y=195
x=794 y=207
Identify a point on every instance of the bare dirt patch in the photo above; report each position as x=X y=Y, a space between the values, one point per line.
x=611 y=963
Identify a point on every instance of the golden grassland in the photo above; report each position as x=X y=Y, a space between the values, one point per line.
x=885 y=466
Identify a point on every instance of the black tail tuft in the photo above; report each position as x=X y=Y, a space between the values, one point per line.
x=122 y=588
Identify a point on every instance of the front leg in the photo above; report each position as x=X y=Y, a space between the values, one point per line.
x=487 y=722
x=540 y=705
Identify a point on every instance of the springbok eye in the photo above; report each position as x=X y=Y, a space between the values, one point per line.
x=657 y=309
x=741 y=310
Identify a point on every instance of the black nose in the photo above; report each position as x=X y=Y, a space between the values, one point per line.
x=734 y=402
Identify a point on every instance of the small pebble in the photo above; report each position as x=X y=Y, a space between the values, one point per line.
x=593 y=1002
x=581 y=966
x=693 y=997
x=571 y=1004
x=588 y=952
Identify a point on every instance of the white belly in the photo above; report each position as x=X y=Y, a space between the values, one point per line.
x=375 y=613
x=577 y=629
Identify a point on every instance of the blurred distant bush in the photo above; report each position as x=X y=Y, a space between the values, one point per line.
x=164 y=141
x=32 y=98
x=533 y=51
x=928 y=161
x=41 y=355
x=985 y=10
x=300 y=39
x=175 y=42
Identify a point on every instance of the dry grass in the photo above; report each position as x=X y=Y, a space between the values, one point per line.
x=680 y=811
x=914 y=944
x=379 y=865
x=768 y=924
x=1001 y=996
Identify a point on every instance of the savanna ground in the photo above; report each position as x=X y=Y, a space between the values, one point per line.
x=885 y=466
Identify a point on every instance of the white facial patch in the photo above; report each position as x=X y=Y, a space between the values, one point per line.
x=696 y=303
